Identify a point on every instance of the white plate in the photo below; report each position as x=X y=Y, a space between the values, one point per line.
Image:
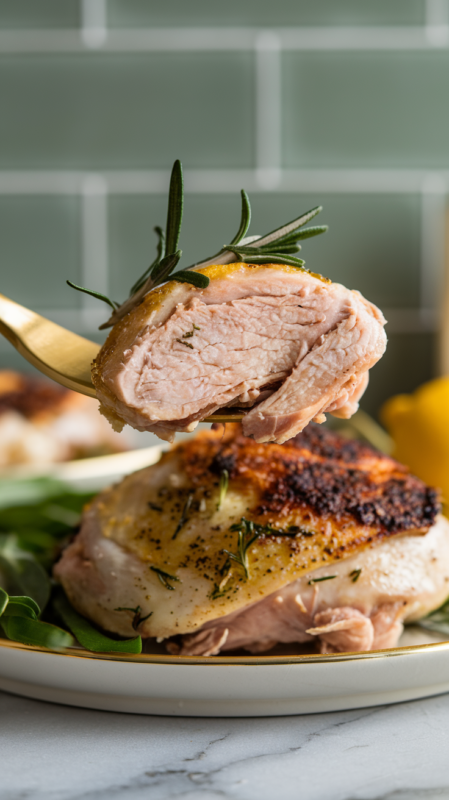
x=284 y=683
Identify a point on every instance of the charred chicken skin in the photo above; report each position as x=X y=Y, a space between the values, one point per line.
x=226 y=543
x=286 y=345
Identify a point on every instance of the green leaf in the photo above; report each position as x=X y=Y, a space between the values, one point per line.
x=160 y=254
x=189 y=276
x=167 y=265
x=272 y=258
x=175 y=208
x=23 y=574
x=88 y=636
x=285 y=249
x=279 y=233
x=306 y=233
x=262 y=251
x=19 y=610
x=97 y=295
x=36 y=633
x=4 y=600
x=22 y=607
x=29 y=491
x=245 y=218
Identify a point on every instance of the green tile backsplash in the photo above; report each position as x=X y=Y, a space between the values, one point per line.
x=39 y=14
x=76 y=101
x=366 y=109
x=126 y=111
x=129 y=13
x=40 y=248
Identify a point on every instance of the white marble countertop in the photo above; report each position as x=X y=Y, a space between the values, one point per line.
x=51 y=752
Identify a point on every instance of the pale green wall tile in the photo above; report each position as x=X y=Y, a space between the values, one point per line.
x=132 y=111
x=40 y=249
x=128 y=13
x=366 y=109
x=372 y=243
x=409 y=361
x=39 y=13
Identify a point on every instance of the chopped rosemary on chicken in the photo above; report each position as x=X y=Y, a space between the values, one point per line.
x=165 y=577
x=184 y=515
x=324 y=578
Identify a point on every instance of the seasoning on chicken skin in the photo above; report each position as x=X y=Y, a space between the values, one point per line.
x=319 y=539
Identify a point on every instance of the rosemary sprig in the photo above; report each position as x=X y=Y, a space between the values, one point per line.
x=159 y=256
x=224 y=483
x=278 y=246
x=355 y=575
x=245 y=538
x=319 y=580
x=165 y=577
x=97 y=295
x=244 y=220
x=188 y=502
x=175 y=207
x=195 y=278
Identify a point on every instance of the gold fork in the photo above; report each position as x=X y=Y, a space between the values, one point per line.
x=60 y=354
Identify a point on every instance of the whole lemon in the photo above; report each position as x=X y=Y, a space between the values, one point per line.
x=419 y=426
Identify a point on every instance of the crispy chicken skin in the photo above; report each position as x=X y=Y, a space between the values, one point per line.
x=328 y=507
x=281 y=342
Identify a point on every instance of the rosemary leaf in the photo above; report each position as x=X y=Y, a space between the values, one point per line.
x=175 y=207
x=355 y=575
x=285 y=230
x=306 y=233
x=137 y=619
x=163 y=269
x=160 y=254
x=224 y=483
x=97 y=295
x=164 y=577
x=285 y=249
x=188 y=502
x=319 y=580
x=272 y=258
x=189 y=276
x=186 y=344
x=245 y=218
x=261 y=251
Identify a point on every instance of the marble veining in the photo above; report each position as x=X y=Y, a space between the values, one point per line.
x=398 y=752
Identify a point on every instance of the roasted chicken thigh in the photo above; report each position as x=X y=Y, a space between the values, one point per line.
x=226 y=543
x=280 y=342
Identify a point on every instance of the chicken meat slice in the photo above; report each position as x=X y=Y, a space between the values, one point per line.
x=281 y=342
x=213 y=566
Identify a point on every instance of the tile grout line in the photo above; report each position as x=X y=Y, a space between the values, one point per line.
x=433 y=210
x=268 y=103
x=95 y=35
x=94 y=30
x=94 y=237
x=219 y=181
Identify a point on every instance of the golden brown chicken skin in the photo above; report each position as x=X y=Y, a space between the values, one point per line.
x=221 y=525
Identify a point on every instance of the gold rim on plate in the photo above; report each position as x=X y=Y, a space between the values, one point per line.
x=148 y=658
